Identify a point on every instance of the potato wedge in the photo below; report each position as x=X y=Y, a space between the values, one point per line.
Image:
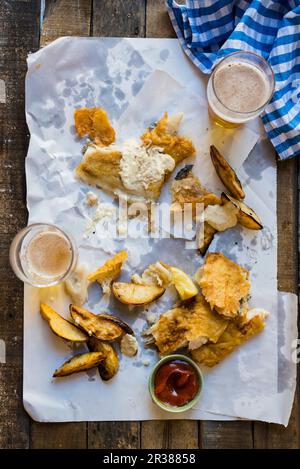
x=60 y=326
x=109 y=367
x=205 y=238
x=132 y=294
x=226 y=174
x=81 y=362
x=246 y=216
x=117 y=321
x=101 y=326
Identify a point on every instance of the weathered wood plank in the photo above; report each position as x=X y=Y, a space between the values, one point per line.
x=227 y=435
x=19 y=34
x=181 y=433
x=62 y=18
x=125 y=19
x=158 y=23
x=114 y=435
x=65 y=18
x=276 y=436
x=58 y=436
x=120 y=18
x=155 y=435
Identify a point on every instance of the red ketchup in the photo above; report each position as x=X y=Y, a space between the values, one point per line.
x=176 y=383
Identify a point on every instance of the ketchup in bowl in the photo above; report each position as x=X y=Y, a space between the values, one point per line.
x=176 y=383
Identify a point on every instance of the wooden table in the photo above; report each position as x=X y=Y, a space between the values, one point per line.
x=23 y=33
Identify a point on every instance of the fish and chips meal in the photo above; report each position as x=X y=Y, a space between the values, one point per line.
x=211 y=317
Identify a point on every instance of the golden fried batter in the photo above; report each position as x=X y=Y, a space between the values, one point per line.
x=109 y=271
x=164 y=135
x=235 y=335
x=101 y=167
x=94 y=122
x=224 y=284
x=191 y=324
x=190 y=190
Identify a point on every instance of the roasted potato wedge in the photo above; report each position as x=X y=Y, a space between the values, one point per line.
x=60 y=326
x=226 y=174
x=205 y=240
x=81 y=362
x=133 y=294
x=101 y=326
x=109 y=367
x=117 y=321
x=246 y=216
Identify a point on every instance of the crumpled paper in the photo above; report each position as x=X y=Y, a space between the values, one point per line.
x=136 y=80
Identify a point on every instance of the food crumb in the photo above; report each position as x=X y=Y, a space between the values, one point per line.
x=151 y=318
x=146 y=362
x=91 y=199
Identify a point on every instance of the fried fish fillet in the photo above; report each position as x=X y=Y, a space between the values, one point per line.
x=164 y=135
x=101 y=167
x=190 y=324
x=224 y=284
x=235 y=334
x=188 y=189
x=95 y=123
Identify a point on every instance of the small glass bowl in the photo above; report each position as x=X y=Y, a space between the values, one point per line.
x=167 y=407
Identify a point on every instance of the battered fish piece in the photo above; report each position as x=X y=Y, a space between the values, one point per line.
x=164 y=135
x=137 y=169
x=101 y=167
x=235 y=335
x=224 y=284
x=95 y=123
x=191 y=324
x=109 y=271
x=129 y=168
x=188 y=189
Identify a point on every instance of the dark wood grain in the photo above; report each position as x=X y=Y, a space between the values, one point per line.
x=66 y=18
x=158 y=23
x=119 y=18
x=19 y=33
x=62 y=18
x=226 y=435
x=114 y=435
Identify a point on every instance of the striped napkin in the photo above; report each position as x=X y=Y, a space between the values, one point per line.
x=210 y=29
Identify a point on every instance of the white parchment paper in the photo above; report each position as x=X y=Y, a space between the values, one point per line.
x=136 y=80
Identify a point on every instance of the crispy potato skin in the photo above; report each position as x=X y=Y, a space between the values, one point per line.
x=81 y=362
x=60 y=326
x=103 y=327
x=227 y=174
x=133 y=294
x=246 y=216
x=109 y=367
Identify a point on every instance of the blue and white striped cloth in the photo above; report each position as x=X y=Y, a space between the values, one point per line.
x=210 y=29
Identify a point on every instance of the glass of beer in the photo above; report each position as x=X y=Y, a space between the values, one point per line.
x=42 y=255
x=239 y=88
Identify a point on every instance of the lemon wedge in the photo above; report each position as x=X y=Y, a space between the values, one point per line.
x=183 y=284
